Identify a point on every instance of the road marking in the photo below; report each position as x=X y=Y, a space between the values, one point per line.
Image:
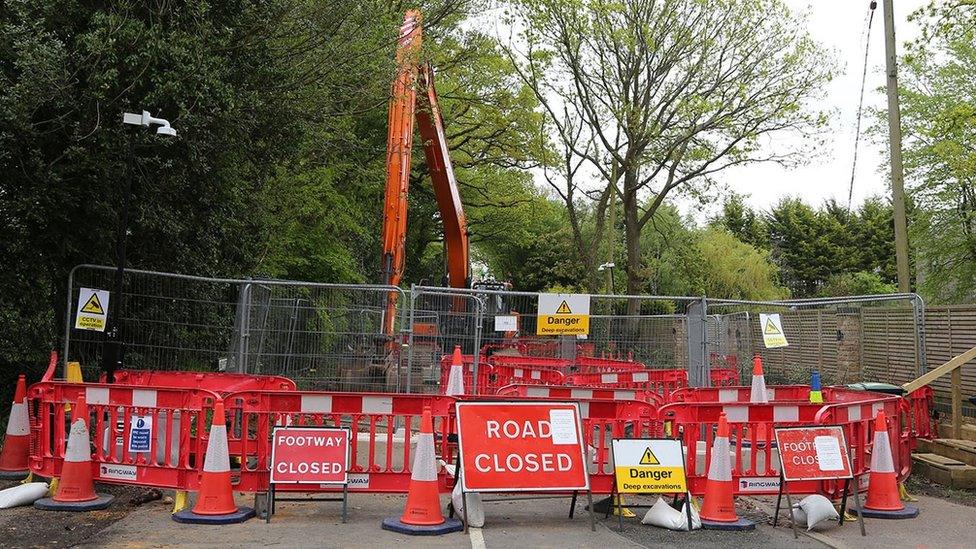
x=477 y=538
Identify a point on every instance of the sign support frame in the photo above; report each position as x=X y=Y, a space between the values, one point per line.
x=271 y=498
x=847 y=484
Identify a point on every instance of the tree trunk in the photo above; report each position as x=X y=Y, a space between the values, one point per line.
x=632 y=232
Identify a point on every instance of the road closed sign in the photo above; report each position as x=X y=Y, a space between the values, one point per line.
x=649 y=466
x=813 y=453
x=563 y=314
x=521 y=446
x=309 y=455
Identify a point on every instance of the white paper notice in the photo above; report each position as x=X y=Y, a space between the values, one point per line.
x=563 y=426
x=506 y=323
x=828 y=453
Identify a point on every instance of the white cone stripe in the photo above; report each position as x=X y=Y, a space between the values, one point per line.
x=321 y=404
x=584 y=409
x=736 y=414
x=17 y=424
x=786 y=413
x=144 y=398
x=424 y=462
x=79 y=447
x=720 y=467
x=608 y=378
x=580 y=393
x=624 y=395
x=217 y=459
x=537 y=392
x=728 y=395
x=640 y=377
x=377 y=405
x=758 y=394
x=96 y=395
x=455 y=381
x=881 y=461
x=854 y=413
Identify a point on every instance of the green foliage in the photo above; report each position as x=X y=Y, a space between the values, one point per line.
x=938 y=98
x=859 y=283
x=732 y=269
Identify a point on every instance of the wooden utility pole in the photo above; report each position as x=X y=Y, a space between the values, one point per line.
x=894 y=145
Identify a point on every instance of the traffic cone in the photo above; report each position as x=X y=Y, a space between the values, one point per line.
x=816 y=394
x=883 y=499
x=215 y=501
x=422 y=515
x=718 y=509
x=76 y=489
x=455 y=380
x=16 y=445
x=758 y=394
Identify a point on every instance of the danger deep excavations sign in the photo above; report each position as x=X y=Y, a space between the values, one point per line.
x=307 y=455
x=813 y=453
x=649 y=466
x=563 y=314
x=516 y=446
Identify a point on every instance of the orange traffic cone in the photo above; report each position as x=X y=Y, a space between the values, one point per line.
x=455 y=381
x=215 y=501
x=16 y=445
x=718 y=509
x=883 y=499
x=758 y=395
x=76 y=490
x=422 y=515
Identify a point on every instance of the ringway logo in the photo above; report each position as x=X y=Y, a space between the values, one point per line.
x=758 y=484
x=118 y=472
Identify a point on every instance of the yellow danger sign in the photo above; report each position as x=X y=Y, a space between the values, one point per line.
x=563 y=314
x=93 y=305
x=772 y=330
x=649 y=466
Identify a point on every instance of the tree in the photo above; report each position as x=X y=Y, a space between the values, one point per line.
x=656 y=97
x=938 y=98
x=732 y=269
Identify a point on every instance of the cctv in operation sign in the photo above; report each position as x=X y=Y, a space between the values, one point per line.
x=521 y=446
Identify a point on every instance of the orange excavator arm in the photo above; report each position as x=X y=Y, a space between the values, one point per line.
x=403 y=112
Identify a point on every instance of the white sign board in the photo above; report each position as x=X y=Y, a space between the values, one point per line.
x=563 y=314
x=506 y=323
x=92 y=310
x=772 y=330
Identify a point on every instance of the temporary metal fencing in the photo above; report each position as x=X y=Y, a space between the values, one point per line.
x=322 y=336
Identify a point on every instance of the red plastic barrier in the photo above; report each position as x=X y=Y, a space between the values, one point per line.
x=576 y=393
x=506 y=375
x=178 y=415
x=530 y=362
x=723 y=377
x=586 y=365
x=660 y=381
x=219 y=382
x=741 y=394
x=484 y=374
x=921 y=405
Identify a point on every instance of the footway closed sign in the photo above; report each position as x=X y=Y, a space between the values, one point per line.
x=516 y=446
x=813 y=453
x=649 y=466
x=309 y=455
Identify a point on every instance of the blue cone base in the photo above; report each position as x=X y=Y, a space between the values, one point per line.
x=99 y=503
x=908 y=512
x=740 y=525
x=449 y=525
x=14 y=475
x=187 y=516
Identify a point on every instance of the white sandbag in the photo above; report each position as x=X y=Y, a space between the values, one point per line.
x=22 y=494
x=814 y=509
x=476 y=510
x=663 y=515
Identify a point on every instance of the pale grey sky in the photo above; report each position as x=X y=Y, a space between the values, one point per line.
x=839 y=26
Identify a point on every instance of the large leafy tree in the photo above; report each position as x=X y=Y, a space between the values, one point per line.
x=938 y=97
x=655 y=97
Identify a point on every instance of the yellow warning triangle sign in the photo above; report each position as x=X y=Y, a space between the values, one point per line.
x=93 y=306
x=771 y=328
x=649 y=458
x=564 y=309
